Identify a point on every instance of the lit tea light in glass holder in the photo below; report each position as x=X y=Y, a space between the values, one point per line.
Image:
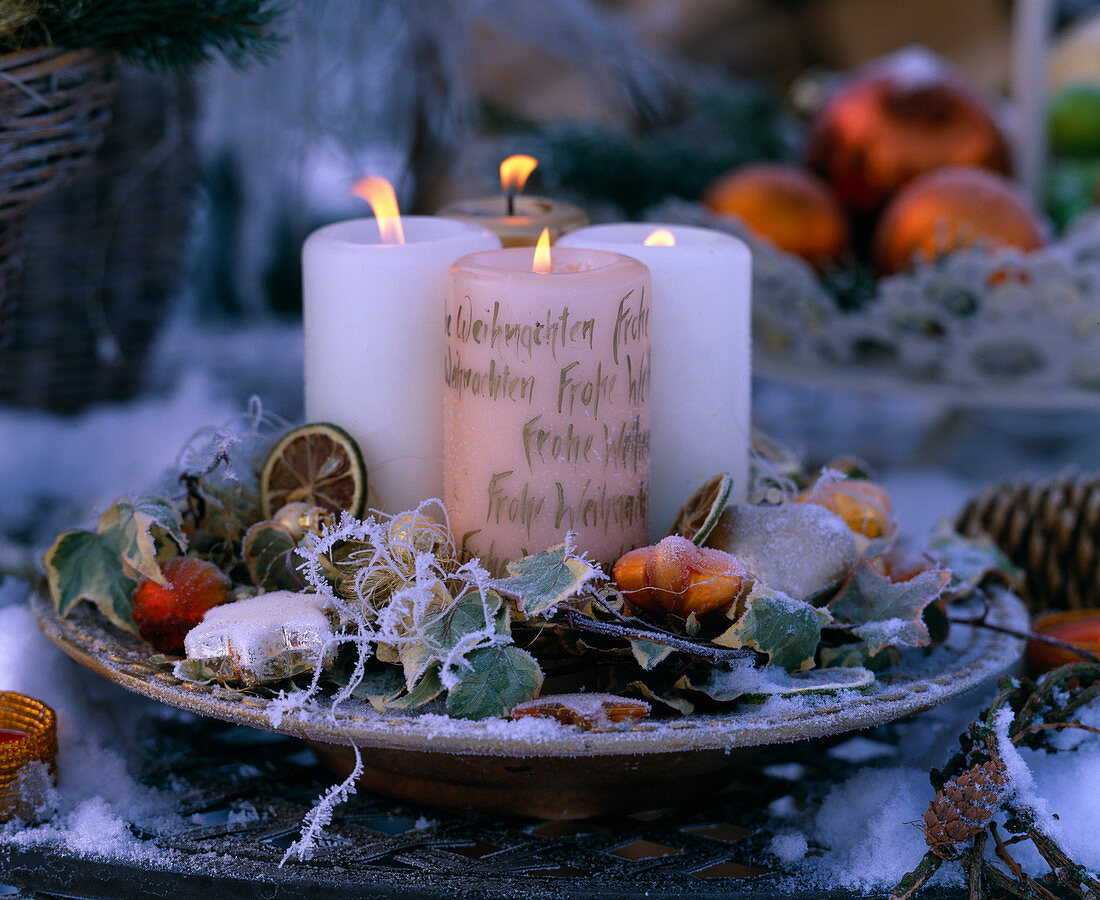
x=28 y=734
x=516 y=219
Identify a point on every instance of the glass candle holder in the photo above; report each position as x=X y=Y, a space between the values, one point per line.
x=28 y=733
x=1080 y=627
x=523 y=225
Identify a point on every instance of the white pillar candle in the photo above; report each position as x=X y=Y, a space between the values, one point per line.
x=547 y=425
x=701 y=343
x=373 y=319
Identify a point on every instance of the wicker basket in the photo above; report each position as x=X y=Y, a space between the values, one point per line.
x=54 y=105
x=37 y=721
x=101 y=257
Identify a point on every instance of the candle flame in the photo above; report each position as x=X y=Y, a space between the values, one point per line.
x=514 y=172
x=379 y=194
x=662 y=237
x=541 y=263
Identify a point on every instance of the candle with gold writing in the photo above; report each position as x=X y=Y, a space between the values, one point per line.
x=546 y=415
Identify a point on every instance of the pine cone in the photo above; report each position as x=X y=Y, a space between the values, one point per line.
x=1050 y=529
x=963 y=807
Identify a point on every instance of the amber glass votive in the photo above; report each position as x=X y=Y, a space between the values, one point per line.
x=29 y=728
x=1080 y=627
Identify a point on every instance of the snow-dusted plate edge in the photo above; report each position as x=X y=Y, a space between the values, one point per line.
x=971 y=657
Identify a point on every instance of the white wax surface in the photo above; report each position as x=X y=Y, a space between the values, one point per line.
x=701 y=343
x=547 y=426
x=373 y=315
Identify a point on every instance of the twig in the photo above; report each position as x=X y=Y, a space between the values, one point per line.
x=1034 y=889
x=915 y=880
x=1001 y=882
x=710 y=652
x=1065 y=869
x=974 y=867
x=1053 y=726
x=980 y=622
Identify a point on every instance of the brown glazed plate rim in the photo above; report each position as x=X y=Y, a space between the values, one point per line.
x=973 y=657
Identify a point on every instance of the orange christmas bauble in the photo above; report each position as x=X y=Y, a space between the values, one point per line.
x=901 y=117
x=786 y=205
x=952 y=208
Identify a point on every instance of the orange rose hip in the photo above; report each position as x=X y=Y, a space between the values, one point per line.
x=165 y=613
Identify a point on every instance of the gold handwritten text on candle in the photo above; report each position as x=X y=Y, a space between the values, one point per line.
x=546 y=415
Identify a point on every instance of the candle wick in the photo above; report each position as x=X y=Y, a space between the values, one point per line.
x=511 y=197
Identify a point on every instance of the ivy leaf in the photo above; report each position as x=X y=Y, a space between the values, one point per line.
x=494 y=681
x=379 y=687
x=268 y=551
x=857 y=655
x=785 y=629
x=648 y=654
x=888 y=614
x=83 y=566
x=131 y=529
x=159 y=526
x=665 y=698
x=540 y=582
x=426 y=689
x=466 y=620
x=718 y=688
x=104 y=567
x=974 y=559
x=815 y=681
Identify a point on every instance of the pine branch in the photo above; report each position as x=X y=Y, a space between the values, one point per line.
x=159 y=34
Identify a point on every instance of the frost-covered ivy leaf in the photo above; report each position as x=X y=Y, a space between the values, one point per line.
x=972 y=560
x=468 y=620
x=540 y=582
x=159 y=526
x=426 y=689
x=885 y=613
x=83 y=566
x=198 y=670
x=379 y=687
x=857 y=655
x=104 y=567
x=666 y=698
x=815 y=681
x=495 y=680
x=128 y=528
x=719 y=686
x=785 y=629
x=268 y=551
x=648 y=654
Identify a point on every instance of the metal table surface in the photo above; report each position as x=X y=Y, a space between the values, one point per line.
x=376 y=847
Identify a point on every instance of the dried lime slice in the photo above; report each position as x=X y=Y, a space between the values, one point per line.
x=319 y=464
x=702 y=512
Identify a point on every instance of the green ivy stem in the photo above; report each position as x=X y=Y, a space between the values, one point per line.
x=629 y=630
